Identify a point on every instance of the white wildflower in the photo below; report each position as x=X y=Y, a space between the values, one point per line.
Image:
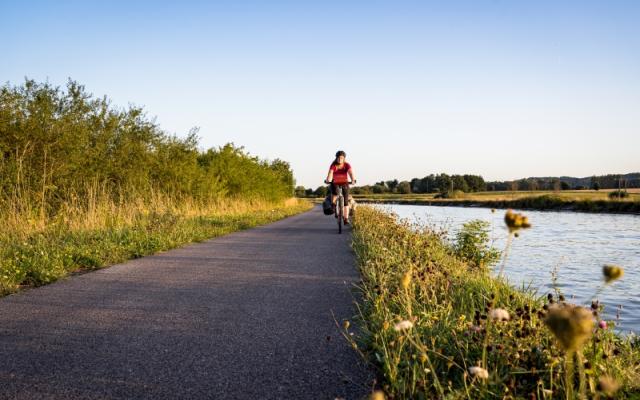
x=479 y=372
x=403 y=325
x=499 y=314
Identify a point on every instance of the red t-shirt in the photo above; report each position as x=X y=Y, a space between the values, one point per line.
x=340 y=176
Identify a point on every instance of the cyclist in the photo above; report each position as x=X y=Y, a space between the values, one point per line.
x=338 y=175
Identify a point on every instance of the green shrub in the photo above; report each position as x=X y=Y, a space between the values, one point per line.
x=618 y=194
x=472 y=244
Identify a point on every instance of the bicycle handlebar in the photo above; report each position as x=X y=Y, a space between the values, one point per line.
x=352 y=182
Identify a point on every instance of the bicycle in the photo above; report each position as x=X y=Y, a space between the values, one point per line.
x=339 y=207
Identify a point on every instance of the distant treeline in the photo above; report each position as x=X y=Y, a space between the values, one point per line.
x=610 y=181
x=61 y=145
x=444 y=183
x=429 y=184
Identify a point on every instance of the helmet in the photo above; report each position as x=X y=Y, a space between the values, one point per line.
x=341 y=153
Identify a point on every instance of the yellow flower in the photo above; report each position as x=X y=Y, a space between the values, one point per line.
x=346 y=324
x=572 y=325
x=385 y=325
x=423 y=358
x=406 y=280
x=377 y=395
x=612 y=272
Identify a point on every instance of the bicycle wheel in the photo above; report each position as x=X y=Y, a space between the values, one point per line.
x=340 y=206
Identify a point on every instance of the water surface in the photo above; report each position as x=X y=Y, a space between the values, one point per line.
x=576 y=244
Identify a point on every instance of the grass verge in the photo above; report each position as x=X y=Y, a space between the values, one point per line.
x=436 y=327
x=36 y=257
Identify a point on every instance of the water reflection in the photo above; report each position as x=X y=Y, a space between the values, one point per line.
x=576 y=244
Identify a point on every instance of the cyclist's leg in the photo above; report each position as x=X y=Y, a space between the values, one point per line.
x=334 y=195
x=345 y=193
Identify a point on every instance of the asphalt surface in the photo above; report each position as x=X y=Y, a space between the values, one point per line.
x=249 y=315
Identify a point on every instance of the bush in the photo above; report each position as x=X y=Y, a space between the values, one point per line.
x=456 y=194
x=472 y=244
x=618 y=194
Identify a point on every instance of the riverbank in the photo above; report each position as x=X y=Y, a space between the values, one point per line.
x=436 y=327
x=543 y=203
x=35 y=257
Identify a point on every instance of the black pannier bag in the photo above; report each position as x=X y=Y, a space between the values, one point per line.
x=326 y=206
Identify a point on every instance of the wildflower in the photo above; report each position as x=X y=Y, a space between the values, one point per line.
x=346 y=325
x=475 y=329
x=499 y=314
x=515 y=221
x=403 y=325
x=377 y=395
x=612 y=272
x=423 y=358
x=570 y=324
x=602 y=324
x=385 y=325
x=479 y=372
x=608 y=385
x=406 y=280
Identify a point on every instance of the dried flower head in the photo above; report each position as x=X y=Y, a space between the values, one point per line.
x=516 y=221
x=499 y=314
x=403 y=326
x=608 y=385
x=572 y=325
x=479 y=372
x=612 y=272
x=346 y=324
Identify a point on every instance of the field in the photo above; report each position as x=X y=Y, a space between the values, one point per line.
x=569 y=195
x=570 y=200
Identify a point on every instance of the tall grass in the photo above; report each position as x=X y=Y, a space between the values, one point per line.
x=437 y=327
x=103 y=233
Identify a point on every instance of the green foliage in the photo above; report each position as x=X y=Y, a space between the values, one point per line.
x=57 y=146
x=472 y=244
x=618 y=194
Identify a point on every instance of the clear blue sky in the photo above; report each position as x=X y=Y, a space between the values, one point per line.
x=505 y=89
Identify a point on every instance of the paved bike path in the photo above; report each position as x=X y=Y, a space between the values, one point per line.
x=243 y=316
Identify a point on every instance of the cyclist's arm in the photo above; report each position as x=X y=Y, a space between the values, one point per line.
x=352 y=175
x=329 y=176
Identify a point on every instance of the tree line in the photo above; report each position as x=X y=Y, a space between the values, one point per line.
x=434 y=183
x=609 y=181
x=57 y=145
x=444 y=183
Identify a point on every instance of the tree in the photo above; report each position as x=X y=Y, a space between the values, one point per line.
x=392 y=185
x=300 y=191
x=404 y=187
x=377 y=188
x=321 y=191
